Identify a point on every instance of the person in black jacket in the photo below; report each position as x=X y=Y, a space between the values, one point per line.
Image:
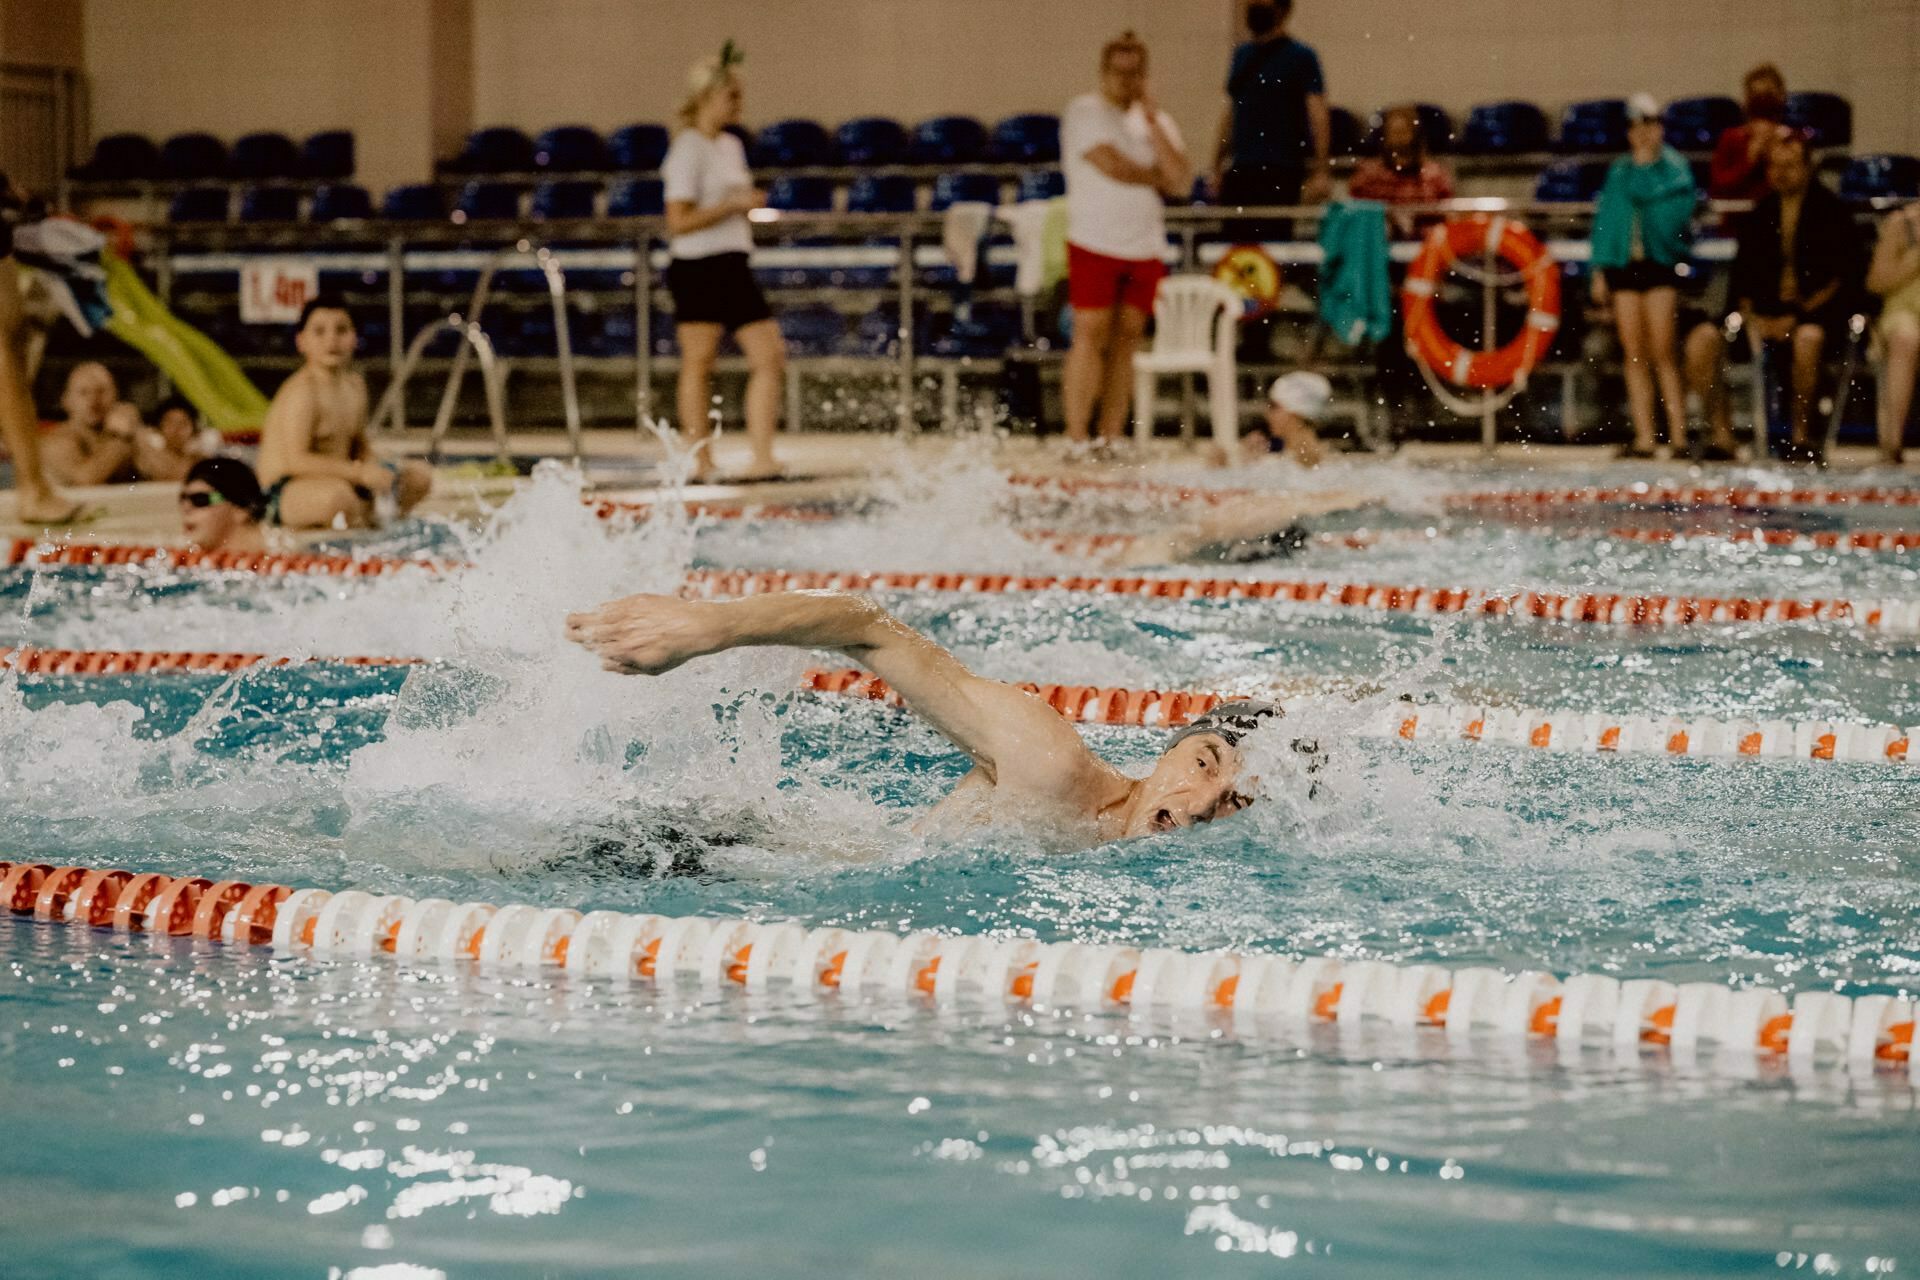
x=1797 y=276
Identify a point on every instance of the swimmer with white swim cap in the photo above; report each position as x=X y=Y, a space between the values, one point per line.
x=1030 y=765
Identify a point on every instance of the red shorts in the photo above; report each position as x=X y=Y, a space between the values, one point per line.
x=1096 y=282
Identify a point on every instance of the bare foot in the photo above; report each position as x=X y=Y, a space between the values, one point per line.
x=48 y=508
x=768 y=468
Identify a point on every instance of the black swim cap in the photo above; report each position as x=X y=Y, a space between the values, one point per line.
x=233 y=480
x=1230 y=721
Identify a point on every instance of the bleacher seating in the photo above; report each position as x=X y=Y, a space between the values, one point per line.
x=952 y=188
x=122 y=157
x=270 y=204
x=199 y=204
x=337 y=200
x=193 y=157
x=569 y=148
x=792 y=144
x=1881 y=177
x=1345 y=132
x=812 y=330
x=949 y=140
x=328 y=155
x=1599 y=124
x=1029 y=138
x=636 y=198
x=496 y=150
x=264 y=155
x=568 y=198
x=1042 y=184
x=1570 y=181
x=1695 y=124
x=1504 y=129
x=882 y=193
x=800 y=195
x=638 y=148
x=1826 y=118
x=871 y=141
x=416 y=202
x=487 y=202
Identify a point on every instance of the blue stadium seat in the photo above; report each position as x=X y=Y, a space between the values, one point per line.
x=1599 y=124
x=948 y=140
x=793 y=144
x=1345 y=133
x=639 y=148
x=992 y=329
x=193 y=157
x=487 y=202
x=1881 y=177
x=264 y=155
x=1032 y=138
x=1570 y=181
x=743 y=133
x=1042 y=184
x=122 y=157
x=569 y=148
x=199 y=204
x=889 y=193
x=328 y=155
x=636 y=198
x=270 y=204
x=1436 y=126
x=416 y=202
x=872 y=140
x=1504 y=129
x=951 y=188
x=569 y=199
x=1826 y=118
x=1695 y=124
x=495 y=150
x=815 y=330
x=338 y=200
x=801 y=195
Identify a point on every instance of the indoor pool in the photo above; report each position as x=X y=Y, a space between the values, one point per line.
x=223 y=1110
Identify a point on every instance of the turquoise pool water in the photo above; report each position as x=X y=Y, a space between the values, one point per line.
x=173 y=1107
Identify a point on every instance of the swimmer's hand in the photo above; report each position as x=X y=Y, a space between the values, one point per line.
x=648 y=635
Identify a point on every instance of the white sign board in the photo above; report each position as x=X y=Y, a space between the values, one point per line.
x=272 y=290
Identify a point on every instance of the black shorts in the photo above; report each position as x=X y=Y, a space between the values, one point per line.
x=1638 y=277
x=716 y=290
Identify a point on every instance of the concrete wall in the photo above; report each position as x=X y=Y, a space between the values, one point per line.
x=43 y=33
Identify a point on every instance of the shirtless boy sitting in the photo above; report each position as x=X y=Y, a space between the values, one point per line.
x=319 y=469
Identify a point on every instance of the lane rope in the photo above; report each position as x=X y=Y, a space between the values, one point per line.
x=1650 y=495
x=1643 y=1020
x=1866 y=540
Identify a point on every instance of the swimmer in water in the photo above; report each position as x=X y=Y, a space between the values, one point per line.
x=1030 y=766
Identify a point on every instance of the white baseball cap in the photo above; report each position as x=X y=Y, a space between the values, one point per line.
x=1302 y=393
x=1643 y=106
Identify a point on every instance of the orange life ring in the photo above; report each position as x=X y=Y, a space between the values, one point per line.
x=1470 y=237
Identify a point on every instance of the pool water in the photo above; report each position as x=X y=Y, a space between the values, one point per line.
x=185 y=1107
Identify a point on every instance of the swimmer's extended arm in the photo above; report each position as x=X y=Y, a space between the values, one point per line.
x=287 y=435
x=990 y=721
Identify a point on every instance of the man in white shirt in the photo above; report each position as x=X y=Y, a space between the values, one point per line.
x=1122 y=156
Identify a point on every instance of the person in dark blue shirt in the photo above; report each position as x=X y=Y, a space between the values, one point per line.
x=1274 y=134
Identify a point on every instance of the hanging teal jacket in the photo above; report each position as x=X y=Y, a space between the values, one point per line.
x=1356 y=298
x=1660 y=196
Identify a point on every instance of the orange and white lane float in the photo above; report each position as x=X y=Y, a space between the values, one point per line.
x=29 y=554
x=124 y=662
x=1090 y=545
x=1656 y=495
x=1865 y=540
x=1073 y=485
x=1897 y=617
x=1740 y=1030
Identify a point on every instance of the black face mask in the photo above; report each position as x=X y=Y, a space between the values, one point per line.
x=1262 y=19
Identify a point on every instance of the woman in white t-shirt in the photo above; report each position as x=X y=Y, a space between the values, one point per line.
x=708 y=194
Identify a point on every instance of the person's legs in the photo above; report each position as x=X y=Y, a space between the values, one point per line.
x=699 y=344
x=766 y=352
x=1630 y=321
x=35 y=501
x=1809 y=344
x=1705 y=373
x=1116 y=391
x=1901 y=337
x=322 y=502
x=1085 y=370
x=1663 y=353
x=411 y=484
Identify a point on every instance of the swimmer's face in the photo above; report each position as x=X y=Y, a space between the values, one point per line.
x=208 y=519
x=1197 y=780
x=90 y=392
x=327 y=338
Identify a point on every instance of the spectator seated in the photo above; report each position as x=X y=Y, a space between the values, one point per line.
x=952 y=188
x=949 y=140
x=800 y=195
x=270 y=204
x=1826 y=118
x=815 y=330
x=639 y=148
x=1695 y=124
x=569 y=148
x=573 y=198
x=1436 y=126
x=193 y=157
x=1881 y=177
x=1345 y=133
x=792 y=144
x=1570 y=182
x=416 y=202
x=122 y=157
x=328 y=156
x=889 y=193
x=199 y=204
x=1033 y=138
x=637 y=198
x=264 y=155
x=1504 y=129
x=487 y=202
x=495 y=150
x=1042 y=184
x=871 y=141
x=338 y=200
x=1596 y=125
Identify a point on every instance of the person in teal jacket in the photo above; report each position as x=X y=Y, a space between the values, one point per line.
x=1642 y=243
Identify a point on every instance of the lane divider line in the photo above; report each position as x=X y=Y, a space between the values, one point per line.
x=1690 y=496
x=1646 y=1020
x=1865 y=540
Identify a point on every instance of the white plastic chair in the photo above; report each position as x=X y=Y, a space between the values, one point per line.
x=1194 y=330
